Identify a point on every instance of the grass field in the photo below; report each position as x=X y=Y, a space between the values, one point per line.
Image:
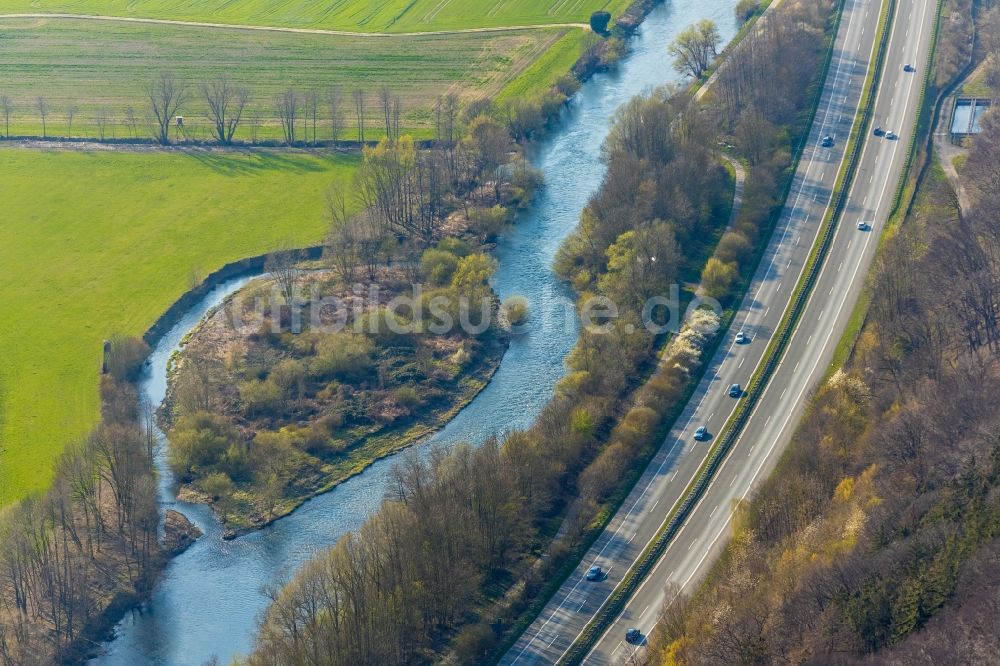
x=353 y=15
x=90 y=64
x=96 y=243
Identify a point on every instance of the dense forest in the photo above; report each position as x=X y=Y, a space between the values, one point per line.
x=451 y=562
x=876 y=540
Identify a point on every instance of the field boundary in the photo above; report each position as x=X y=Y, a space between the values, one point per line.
x=300 y=31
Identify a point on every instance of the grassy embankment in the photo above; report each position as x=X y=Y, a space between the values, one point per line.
x=102 y=243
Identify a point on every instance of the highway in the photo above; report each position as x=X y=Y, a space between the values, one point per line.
x=809 y=352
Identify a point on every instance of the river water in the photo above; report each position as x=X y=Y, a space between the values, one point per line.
x=209 y=598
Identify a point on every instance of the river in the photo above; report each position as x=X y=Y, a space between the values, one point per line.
x=209 y=597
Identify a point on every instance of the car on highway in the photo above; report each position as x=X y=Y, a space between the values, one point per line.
x=892 y=136
x=594 y=573
x=735 y=391
x=742 y=338
x=633 y=635
x=701 y=433
x=878 y=131
x=909 y=68
x=827 y=141
x=862 y=226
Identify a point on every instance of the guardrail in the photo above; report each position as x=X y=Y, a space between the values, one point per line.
x=772 y=357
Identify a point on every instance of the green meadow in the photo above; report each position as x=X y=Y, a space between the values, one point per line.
x=91 y=65
x=98 y=243
x=94 y=243
x=352 y=15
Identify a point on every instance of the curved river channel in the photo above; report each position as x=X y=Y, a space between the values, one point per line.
x=209 y=597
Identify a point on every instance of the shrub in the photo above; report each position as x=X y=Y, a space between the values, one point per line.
x=599 y=22
x=437 y=265
x=387 y=327
x=717 y=278
x=407 y=396
x=125 y=357
x=216 y=485
x=515 y=309
x=488 y=222
x=260 y=398
x=745 y=9
x=289 y=375
x=732 y=247
x=345 y=356
x=200 y=440
x=473 y=643
x=456 y=246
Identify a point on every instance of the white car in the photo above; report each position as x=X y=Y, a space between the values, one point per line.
x=742 y=338
x=892 y=136
x=862 y=226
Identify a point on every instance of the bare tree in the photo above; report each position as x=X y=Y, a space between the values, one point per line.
x=341 y=240
x=312 y=106
x=255 y=123
x=166 y=96
x=695 y=47
x=226 y=104
x=7 y=107
x=131 y=121
x=102 y=118
x=283 y=267
x=71 y=112
x=385 y=100
x=42 y=105
x=334 y=100
x=287 y=106
x=359 y=113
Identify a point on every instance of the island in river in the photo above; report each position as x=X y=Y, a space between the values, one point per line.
x=302 y=379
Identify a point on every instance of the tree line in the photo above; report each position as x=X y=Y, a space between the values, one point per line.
x=69 y=554
x=331 y=116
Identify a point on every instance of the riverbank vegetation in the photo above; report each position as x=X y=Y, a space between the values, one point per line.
x=301 y=382
x=429 y=580
x=265 y=414
x=72 y=557
x=76 y=250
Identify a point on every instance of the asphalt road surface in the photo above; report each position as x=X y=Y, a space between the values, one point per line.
x=806 y=359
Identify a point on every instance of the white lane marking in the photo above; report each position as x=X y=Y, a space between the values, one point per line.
x=802 y=181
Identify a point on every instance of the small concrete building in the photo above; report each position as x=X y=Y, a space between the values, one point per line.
x=965 y=115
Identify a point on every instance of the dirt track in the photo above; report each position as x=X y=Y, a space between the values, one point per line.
x=306 y=31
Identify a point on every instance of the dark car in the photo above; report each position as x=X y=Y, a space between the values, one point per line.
x=735 y=391
x=827 y=141
x=701 y=433
x=908 y=68
x=878 y=131
x=594 y=573
x=633 y=635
